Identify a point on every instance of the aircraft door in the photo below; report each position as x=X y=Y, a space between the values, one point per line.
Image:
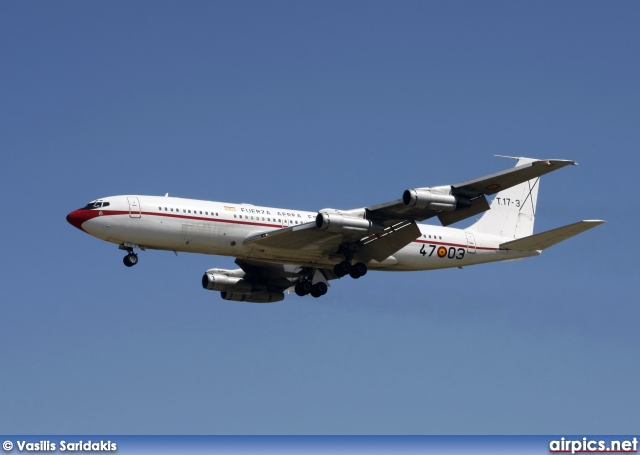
x=471 y=243
x=134 y=207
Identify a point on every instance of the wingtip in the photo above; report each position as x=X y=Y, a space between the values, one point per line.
x=548 y=161
x=511 y=157
x=563 y=162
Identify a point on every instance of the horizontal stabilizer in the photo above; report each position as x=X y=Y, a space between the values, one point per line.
x=550 y=238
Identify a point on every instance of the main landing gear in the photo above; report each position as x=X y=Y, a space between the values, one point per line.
x=306 y=287
x=130 y=259
x=346 y=268
x=316 y=290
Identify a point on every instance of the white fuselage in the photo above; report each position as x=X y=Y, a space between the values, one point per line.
x=195 y=226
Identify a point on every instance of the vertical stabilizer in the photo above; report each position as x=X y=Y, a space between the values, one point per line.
x=512 y=211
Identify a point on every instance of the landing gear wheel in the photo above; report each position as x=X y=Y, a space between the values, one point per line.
x=361 y=267
x=342 y=268
x=358 y=269
x=130 y=259
x=303 y=288
x=319 y=289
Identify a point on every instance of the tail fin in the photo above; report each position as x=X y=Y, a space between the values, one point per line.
x=512 y=211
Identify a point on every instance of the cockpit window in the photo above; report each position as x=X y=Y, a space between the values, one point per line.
x=95 y=205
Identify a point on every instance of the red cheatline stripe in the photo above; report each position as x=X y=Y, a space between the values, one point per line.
x=252 y=223
x=186 y=217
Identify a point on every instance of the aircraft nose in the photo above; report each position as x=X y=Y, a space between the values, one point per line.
x=77 y=217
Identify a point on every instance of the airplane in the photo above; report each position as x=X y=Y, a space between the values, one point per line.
x=281 y=251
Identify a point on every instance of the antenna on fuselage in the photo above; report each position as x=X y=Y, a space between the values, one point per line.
x=166 y=195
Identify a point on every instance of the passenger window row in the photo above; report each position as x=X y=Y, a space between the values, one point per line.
x=195 y=212
x=246 y=217
x=257 y=218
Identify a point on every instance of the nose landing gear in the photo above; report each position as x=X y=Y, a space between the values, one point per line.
x=130 y=259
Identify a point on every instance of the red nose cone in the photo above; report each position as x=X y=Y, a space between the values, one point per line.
x=77 y=217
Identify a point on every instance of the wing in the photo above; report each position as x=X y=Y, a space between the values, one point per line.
x=376 y=232
x=306 y=243
x=452 y=203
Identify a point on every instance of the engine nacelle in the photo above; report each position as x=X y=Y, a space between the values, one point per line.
x=334 y=222
x=235 y=272
x=255 y=297
x=434 y=199
x=220 y=282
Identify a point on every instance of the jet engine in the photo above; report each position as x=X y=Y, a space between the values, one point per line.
x=335 y=222
x=436 y=198
x=254 y=297
x=216 y=281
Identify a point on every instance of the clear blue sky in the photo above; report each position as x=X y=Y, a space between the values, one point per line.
x=310 y=105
